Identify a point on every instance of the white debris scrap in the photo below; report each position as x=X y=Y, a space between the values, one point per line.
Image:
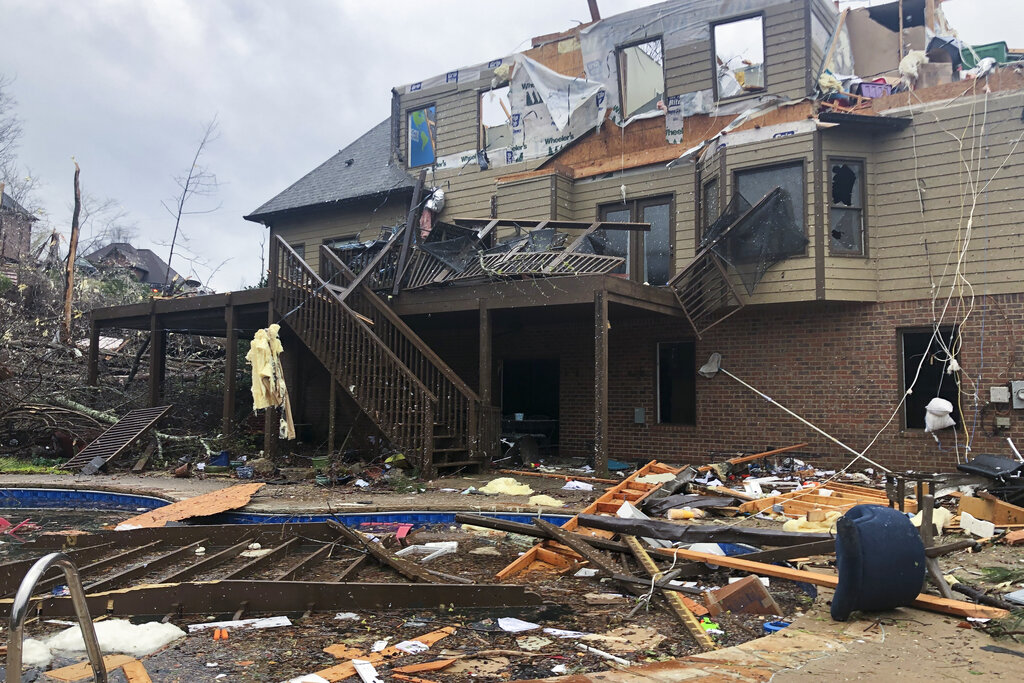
x=266 y=622
x=119 y=636
x=432 y=550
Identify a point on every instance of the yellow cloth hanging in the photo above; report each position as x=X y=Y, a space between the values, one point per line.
x=268 y=386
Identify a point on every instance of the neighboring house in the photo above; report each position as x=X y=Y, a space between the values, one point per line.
x=144 y=264
x=15 y=235
x=837 y=250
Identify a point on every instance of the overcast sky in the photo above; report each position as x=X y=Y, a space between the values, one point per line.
x=125 y=87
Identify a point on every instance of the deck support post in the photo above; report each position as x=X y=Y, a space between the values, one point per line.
x=601 y=327
x=332 y=416
x=93 y=370
x=157 y=359
x=230 y=367
x=486 y=354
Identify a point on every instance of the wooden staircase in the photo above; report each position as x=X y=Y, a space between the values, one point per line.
x=412 y=395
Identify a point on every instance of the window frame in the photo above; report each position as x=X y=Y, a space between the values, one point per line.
x=657 y=383
x=480 y=141
x=902 y=363
x=802 y=163
x=620 y=77
x=408 y=138
x=714 y=55
x=635 y=265
x=831 y=161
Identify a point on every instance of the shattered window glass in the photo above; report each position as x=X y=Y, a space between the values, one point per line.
x=753 y=184
x=846 y=209
x=422 y=136
x=677 y=386
x=614 y=242
x=495 y=119
x=641 y=77
x=739 y=57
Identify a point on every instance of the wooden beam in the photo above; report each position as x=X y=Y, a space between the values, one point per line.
x=230 y=368
x=682 y=612
x=923 y=601
x=157 y=361
x=579 y=546
x=410 y=226
x=409 y=570
x=486 y=353
x=601 y=383
x=93 y=372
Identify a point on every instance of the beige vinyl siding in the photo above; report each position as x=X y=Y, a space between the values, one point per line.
x=916 y=251
x=850 y=278
x=528 y=199
x=565 y=206
x=825 y=13
x=794 y=278
x=688 y=68
x=366 y=220
x=785 y=50
x=655 y=181
x=457 y=116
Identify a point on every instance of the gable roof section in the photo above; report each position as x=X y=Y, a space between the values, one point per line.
x=363 y=169
x=7 y=203
x=142 y=259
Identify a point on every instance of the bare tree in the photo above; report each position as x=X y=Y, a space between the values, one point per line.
x=199 y=181
x=10 y=128
x=104 y=221
x=69 y=277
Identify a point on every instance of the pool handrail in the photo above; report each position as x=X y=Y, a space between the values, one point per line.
x=19 y=609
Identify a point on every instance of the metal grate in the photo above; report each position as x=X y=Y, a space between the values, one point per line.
x=119 y=437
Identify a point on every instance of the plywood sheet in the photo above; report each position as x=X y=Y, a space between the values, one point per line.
x=211 y=503
x=82 y=670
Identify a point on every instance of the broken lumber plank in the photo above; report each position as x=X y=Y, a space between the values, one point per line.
x=409 y=570
x=675 y=601
x=530 y=530
x=757 y=456
x=135 y=672
x=229 y=498
x=991 y=509
x=144 y=459
x=83 y=670
x=923 y=601
x=698 y=533
x=345 y=670
x=616 y=494
x=577 y=543
x=435 y=665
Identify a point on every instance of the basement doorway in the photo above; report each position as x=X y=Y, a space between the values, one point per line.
x=529 y=400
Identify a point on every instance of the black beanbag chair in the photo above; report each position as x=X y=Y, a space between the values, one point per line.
x=880 y=558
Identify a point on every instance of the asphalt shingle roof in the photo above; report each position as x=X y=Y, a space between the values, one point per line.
x=7 y=203
x=363 y=169
x=143 y=259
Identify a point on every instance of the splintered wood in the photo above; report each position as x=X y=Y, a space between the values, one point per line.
x=832 y=496
x=211 y=503
x=550 y=555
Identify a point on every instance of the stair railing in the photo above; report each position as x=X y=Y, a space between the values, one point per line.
x=19 y=609
x=401 y=405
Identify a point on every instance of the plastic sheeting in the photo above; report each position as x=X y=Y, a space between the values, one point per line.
x=550 y=110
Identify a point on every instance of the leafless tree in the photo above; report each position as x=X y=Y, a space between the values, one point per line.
x=10 y=127
x=104 y=221
x=199 y=181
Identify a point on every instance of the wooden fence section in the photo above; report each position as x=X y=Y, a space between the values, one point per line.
x=549 y=554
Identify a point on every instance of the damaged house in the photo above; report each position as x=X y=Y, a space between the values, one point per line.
x=551 y=243
x=15 y=236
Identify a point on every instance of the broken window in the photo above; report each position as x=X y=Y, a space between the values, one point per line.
x=677 y=386
x=495 y=119
x=846 y=208
x=615 y=242
x=422 y=136
x=641 y=77
x=922 y=348
x=753 y=184
x=738 y=51
x=648 y=254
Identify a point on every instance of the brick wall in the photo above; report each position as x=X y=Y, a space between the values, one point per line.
x=837 y=365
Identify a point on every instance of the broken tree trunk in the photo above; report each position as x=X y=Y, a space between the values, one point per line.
x=69 y=275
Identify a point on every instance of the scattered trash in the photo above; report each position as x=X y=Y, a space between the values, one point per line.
x=774 y=626
x=118 y=636
x=547 y=501
x=748 y=595
x=431 y=550
x=507 y=486
x=486 y=550
x=366 y=671
x=533 y=643
x=573 y=485
x=602 y=654
x=266 y=622
x=412 y=647
x=513 y=625
x=361 y=483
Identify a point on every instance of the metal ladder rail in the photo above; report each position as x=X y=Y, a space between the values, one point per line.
x=19 y=609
